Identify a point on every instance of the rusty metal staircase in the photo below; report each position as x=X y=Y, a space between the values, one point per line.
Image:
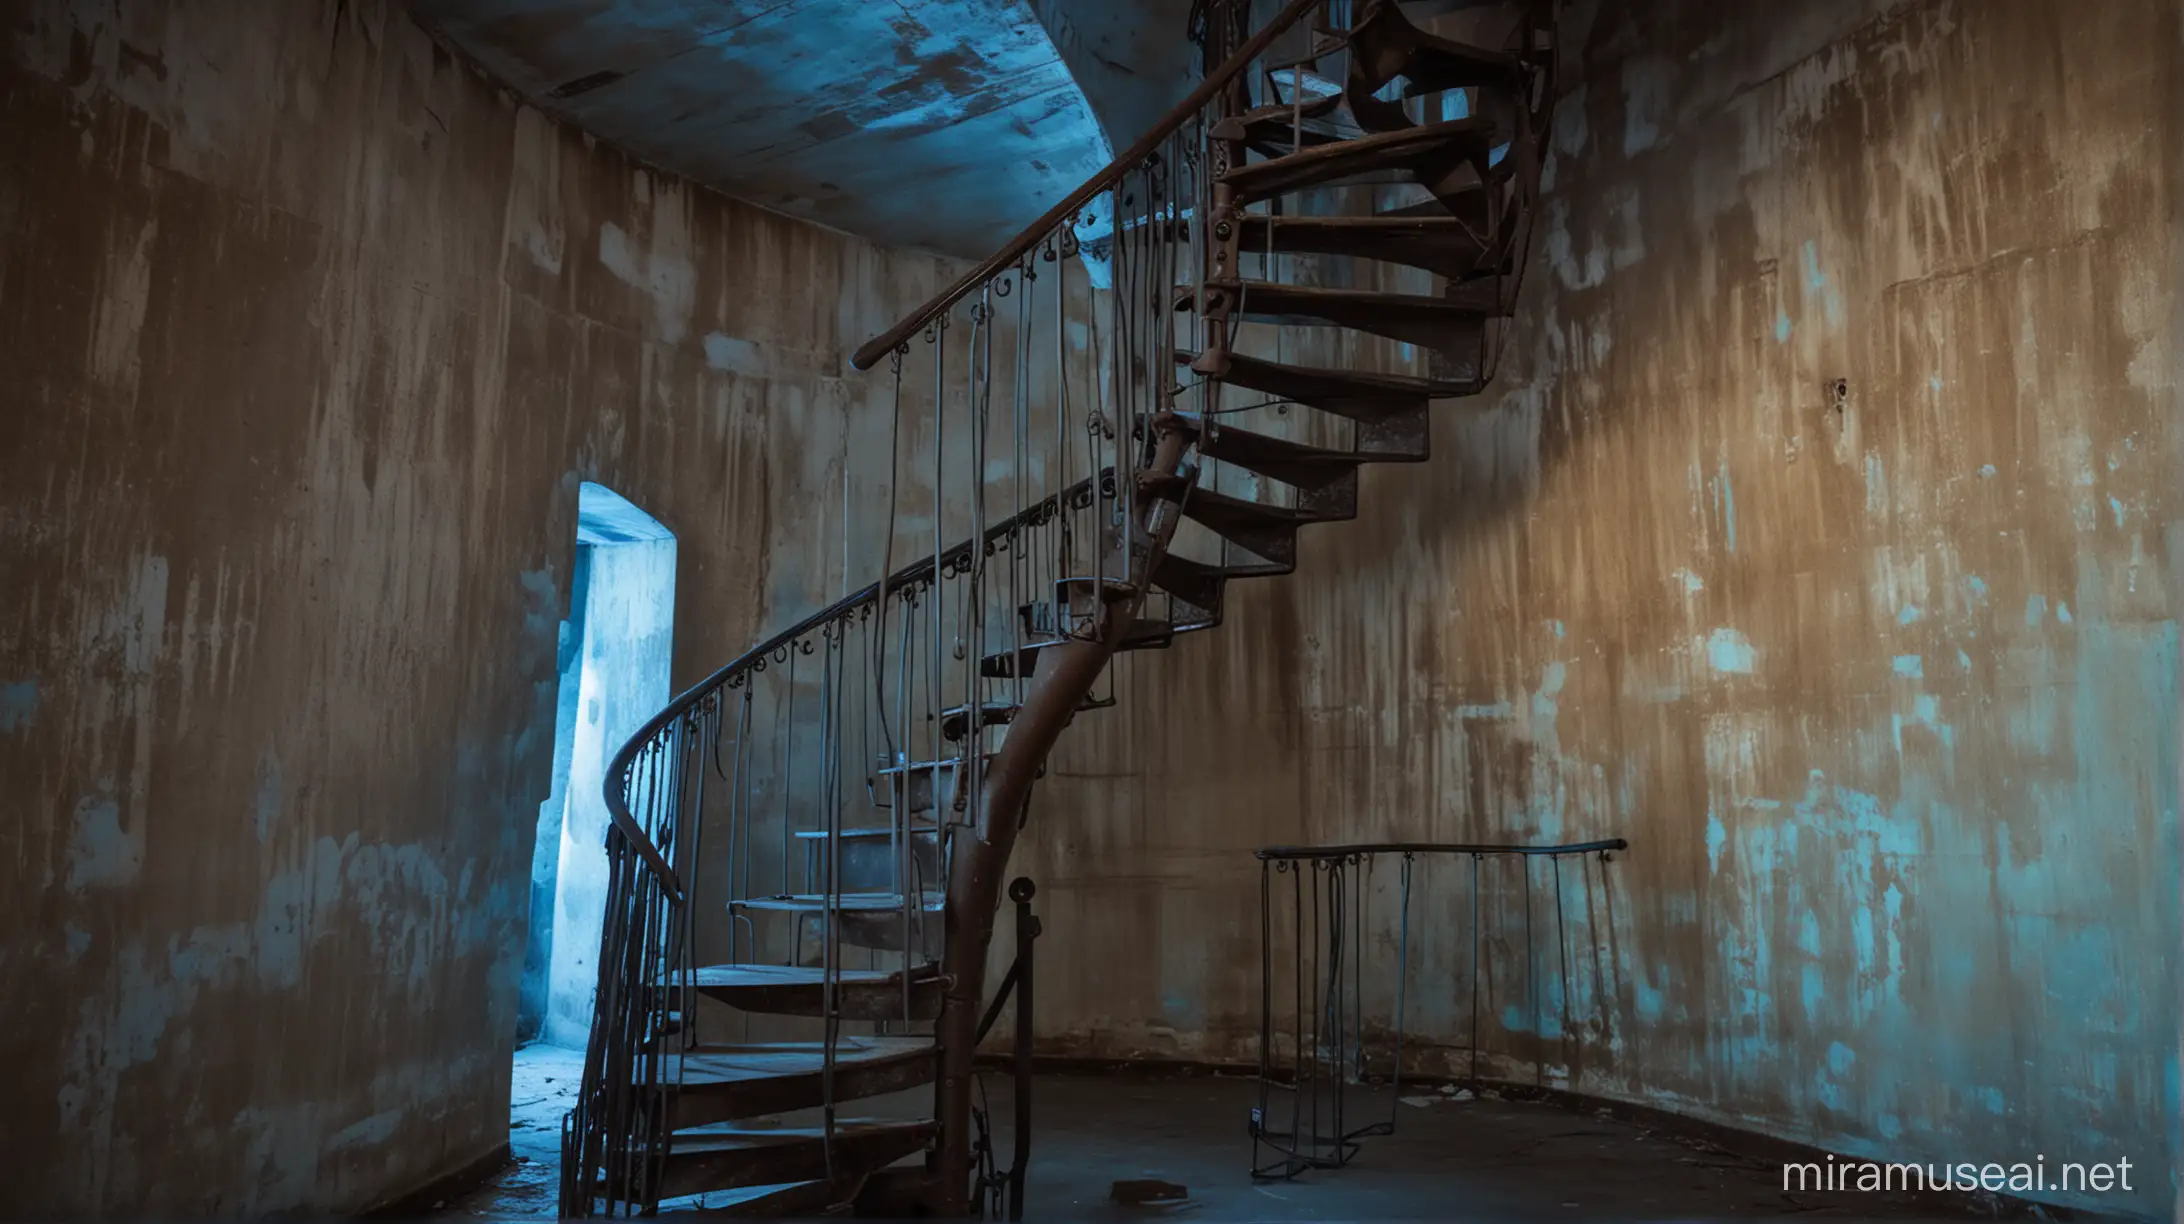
x=808 y=847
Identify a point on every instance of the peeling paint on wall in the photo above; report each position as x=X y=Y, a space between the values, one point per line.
x=312 y=338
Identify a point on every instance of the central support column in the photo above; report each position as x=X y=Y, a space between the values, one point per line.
x=979 y=852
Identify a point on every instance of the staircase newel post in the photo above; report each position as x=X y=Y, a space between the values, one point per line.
x=1027 y=937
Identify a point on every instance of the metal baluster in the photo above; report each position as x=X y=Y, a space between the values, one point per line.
x=708 y=743
x=1266 y=1003
x=1020 y=434
x=1531 y=971
x=1402 y=988
x=1474 y=973
x=787 y=779
x=971 y=759
x=932 y=679
x=830 y=916
x=899 y=815
x=740 y=826
x=1298 y=1050
x=1562 y=941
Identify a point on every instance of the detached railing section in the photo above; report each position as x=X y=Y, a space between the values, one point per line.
x=1335 y=1008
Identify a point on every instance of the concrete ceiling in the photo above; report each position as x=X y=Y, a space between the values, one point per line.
x=941 y=125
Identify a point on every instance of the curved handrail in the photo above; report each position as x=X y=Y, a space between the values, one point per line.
x=617 y=778
x=1217 y=80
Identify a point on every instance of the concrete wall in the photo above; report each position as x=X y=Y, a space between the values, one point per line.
x=1885 y=698
x=310 y=338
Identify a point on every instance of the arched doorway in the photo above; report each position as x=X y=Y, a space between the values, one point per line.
x=616 y=647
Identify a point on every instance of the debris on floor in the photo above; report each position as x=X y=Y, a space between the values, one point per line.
x=1136 y=1192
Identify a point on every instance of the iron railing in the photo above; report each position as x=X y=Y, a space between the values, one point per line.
x=1334 y=1043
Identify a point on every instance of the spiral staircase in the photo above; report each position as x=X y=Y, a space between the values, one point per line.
x=1163 y=379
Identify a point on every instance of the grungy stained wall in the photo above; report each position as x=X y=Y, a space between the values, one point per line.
x=311 y=336
x=1884 y=697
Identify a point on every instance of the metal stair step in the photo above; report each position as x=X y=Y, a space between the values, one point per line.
x=725 y=1082
x=1442 y=244
x=727 y=1158
x=786 y=1201
x=1202 y=585
x=1413 y=318
x=867 y=833
x=865 y=859
x=1307 y=467
x=1358 y=395
x=1385 y=45
x=1289 y=82
x=1194 y=582
x=840 y=903
x=1438 y=155
x=794 y=990
x=927 y=785
x=1276 y=130
x=955 y=720
x=1007 y=664
x=1083 y=596
x=861 y=919
x=1089 y=591
x=1189 y=617
x=1393 y=412
x=1265 y=531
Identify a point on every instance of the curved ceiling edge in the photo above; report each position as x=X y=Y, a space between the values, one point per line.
x=937 y=125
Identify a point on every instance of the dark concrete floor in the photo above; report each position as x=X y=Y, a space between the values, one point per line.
x=542 y=1090
x=1448 y=1159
